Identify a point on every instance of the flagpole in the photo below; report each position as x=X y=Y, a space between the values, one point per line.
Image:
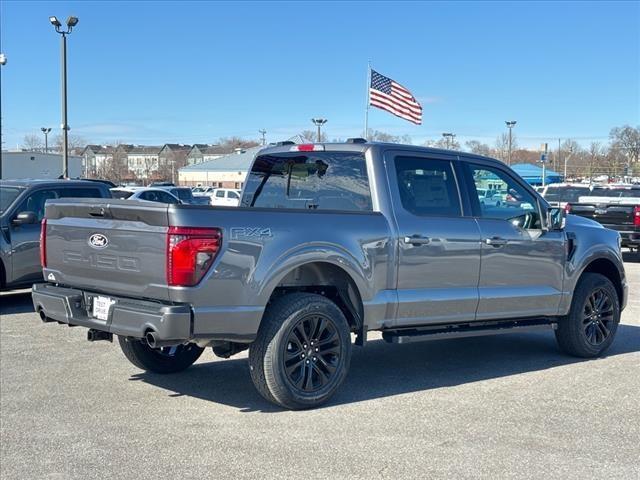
x=366 y=111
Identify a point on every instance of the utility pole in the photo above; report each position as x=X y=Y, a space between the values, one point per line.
x=263 y=133
x=3 y=62
x=510 y=124
x=319 y=122
x=565 y=162
x=71 y=22
x=559 y=159
x=449 y=139
x=46 y=131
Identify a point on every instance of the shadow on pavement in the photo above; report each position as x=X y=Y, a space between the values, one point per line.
x=382 y=370
x=631 y=256
x=16 y=302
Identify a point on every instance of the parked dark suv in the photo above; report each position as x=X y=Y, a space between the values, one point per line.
x=21 y=211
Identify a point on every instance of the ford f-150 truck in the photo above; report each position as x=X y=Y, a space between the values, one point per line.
x=330 y=241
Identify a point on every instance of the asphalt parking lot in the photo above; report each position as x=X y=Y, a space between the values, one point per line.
x=495 y=407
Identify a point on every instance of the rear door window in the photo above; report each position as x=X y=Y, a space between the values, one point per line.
x=312 y=181
x=79 y=192
x=427 y=187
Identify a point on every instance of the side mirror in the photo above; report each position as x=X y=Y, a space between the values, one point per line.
x=556 y=218
x=25 y=218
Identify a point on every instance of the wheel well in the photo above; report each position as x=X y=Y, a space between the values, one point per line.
x=607 y=268
x=329 y=281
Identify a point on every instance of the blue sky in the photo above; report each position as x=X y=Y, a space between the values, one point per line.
x=155 y=72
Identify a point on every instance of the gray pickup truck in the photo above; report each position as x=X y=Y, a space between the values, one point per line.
x=331 y=240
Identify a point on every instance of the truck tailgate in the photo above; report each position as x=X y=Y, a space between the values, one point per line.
x=114 y=246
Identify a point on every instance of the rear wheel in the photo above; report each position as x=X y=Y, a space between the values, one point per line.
x=302 y=352
x=159 y=360
x=593 y=320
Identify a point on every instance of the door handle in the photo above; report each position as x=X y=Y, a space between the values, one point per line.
x=495 y=241
x=416 y=240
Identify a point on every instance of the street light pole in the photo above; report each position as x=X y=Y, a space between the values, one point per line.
x=46 y=131
x=263 y=132
x=319 y=122
x=71 y=22
x=510 y=124
x=449 y=138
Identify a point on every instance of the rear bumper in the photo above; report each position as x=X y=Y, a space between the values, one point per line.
x=628 y=237
x=134 y=318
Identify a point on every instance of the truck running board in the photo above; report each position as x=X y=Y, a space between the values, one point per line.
x=439 y=332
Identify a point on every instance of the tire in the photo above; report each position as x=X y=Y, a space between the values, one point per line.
x=593 y=320
x=159 y=360
x=302 y=351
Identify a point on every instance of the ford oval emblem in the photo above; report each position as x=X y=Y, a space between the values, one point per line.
x=98 y=240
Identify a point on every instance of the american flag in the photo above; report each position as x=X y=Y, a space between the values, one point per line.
x=389 y=95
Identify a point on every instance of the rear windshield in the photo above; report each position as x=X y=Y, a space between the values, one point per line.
x=182 y=193
x=8 y=196
x=314 y=180
x=620 y=193
x=566 y=194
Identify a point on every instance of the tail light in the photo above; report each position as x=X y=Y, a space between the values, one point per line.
x=567 y=208
x=636 y=216
x=43 y=243
x=190 y=254
x=307 y=147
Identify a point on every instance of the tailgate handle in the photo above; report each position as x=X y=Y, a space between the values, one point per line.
x=98 y=212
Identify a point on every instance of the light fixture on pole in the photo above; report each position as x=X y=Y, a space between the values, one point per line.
x=319 y=122
x=71 y=22
x=46 y=131
x=263 y=132
x=449 y=138
x=510 y=124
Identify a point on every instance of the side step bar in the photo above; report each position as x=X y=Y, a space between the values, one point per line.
x=439 y=332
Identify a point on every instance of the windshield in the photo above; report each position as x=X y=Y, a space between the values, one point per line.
x=183 y=193
x=317 y=180
x=566 y=194
x=8 y=196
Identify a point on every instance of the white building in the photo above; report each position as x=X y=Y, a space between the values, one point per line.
x=20 y=165
x=143 y=161
x=228 y=171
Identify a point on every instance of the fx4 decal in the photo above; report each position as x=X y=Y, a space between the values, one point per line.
x=250 y=232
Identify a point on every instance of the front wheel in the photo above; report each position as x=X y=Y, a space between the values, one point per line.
x=593 y=320
x=159 y=360
x=302 y=352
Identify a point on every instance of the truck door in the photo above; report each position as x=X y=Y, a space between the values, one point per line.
x=522 y=264
x=438 y=248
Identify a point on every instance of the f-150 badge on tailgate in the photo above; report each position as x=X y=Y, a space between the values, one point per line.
x=98 y=240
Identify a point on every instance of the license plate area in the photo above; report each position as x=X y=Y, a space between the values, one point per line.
x=100 y=307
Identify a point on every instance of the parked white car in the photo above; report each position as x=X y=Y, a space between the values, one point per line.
x=148 y=194
x=227 y=197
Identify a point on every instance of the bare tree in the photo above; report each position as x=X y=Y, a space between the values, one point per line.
x=479 y=148
x=595 y=152
x=444 y=143
x=232 y=143
x=626 y=139
x=32 y=142
x=378 y=136
x=502 y=146
x=74 y=143
x=312 y=136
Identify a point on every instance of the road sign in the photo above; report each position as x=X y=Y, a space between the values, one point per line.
x=543 y=157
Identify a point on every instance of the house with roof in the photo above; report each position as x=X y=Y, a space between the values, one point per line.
x=142 y=160
x=201 y=152
x=227 y=171
x=172 y=156
x=95 y=158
